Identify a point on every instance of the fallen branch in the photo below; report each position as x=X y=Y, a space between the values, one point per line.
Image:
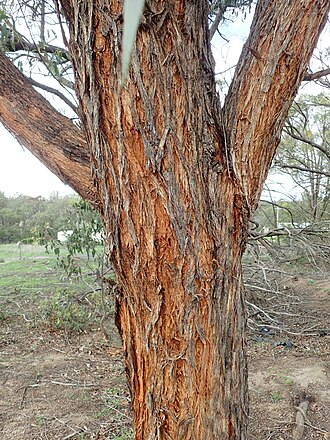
x=25 y=392
x=68 y=384
x=301 y=417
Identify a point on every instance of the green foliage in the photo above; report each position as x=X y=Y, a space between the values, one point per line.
x=33 y=219
x=276 y=396
x=84 y=244
x=61 y=312
x=286 y=380
x=36 y=288
x=6 y=37
x=287 y=213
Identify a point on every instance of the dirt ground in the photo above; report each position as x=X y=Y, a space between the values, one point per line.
x=54 y=386
x=282 y=365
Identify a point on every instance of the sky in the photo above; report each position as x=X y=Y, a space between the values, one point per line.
x=22 y=173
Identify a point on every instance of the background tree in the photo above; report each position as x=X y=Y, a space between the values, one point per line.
x=29 y=219
x=177 y=179
x=33 y=50
x=304 y=153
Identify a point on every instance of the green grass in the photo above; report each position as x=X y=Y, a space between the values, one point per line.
x=36 y=288
x=28 y=274
x=311 y=282
x=276 y=396
x=12 y=251
x=62 y=312
x=286 y=380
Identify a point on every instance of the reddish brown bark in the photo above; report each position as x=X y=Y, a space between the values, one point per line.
x=175 y=241
x=271 y=67
x=50 y=136
x=178 y=179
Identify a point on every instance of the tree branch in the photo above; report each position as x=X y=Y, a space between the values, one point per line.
x=279 y=206
x=269 y=72
x=50 y=136
x=14 y=42
x=300 y=138
x=316 y=75
x=222 y=7
x=305 y=170
x=216 y=22
x=54 y=92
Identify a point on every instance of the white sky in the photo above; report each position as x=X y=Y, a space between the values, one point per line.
x=22 y=173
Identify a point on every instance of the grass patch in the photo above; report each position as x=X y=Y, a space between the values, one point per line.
x=286 y=380
x=12 y=251
x=37 y=289
x=276 y=396
x=3 y=316
x=28 y=274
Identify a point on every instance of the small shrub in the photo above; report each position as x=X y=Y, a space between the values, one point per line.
x=61 y=312
x=3 y=316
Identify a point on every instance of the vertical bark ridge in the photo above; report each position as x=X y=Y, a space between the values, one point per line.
x=159 y=159
x=178 y=191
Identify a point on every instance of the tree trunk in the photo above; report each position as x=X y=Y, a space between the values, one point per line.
x=176 y=243
x=178 y=179
x=178 y=182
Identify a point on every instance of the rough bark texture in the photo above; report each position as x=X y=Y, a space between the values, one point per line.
x=178 y=179
x=176 y=242
x=50 y=136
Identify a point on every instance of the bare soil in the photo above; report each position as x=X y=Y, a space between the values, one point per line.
x=283 y=364
x=57 y=386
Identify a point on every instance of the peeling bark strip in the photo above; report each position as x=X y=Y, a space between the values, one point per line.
x=50 y=136
x=178 y=179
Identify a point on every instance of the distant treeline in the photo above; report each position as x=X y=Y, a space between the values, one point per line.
x=34 y=219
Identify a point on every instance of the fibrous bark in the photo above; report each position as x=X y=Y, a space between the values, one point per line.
x=271 y=67
x=175 y=241
x=178 y=180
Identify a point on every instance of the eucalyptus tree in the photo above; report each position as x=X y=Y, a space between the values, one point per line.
x=304 y=154
x=176 y=177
